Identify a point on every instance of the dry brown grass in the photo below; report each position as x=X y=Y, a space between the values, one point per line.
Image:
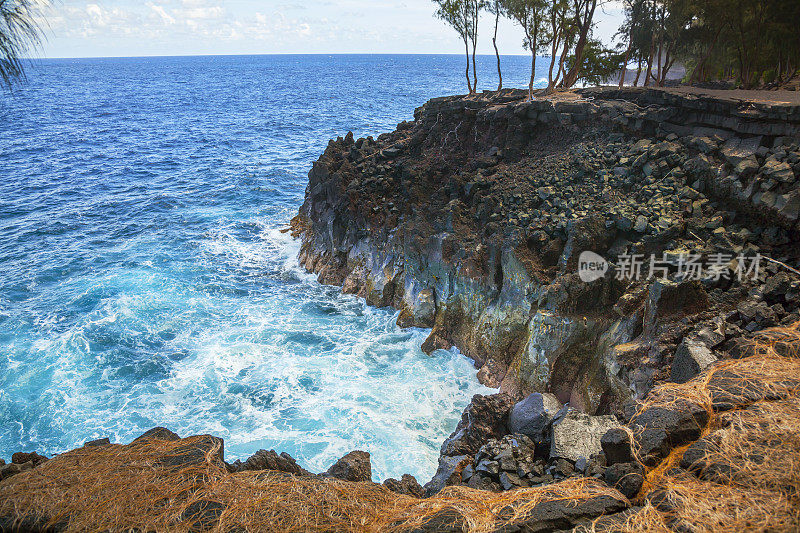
x=119 y=488
x=749 y=477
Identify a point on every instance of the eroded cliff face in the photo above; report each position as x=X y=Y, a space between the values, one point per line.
x=470 y=220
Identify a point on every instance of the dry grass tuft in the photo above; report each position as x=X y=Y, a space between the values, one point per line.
x=746 y=469
x=117 y=488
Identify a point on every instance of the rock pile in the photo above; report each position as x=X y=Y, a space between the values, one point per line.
x=544 y=442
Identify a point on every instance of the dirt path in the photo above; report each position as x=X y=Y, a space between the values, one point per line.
x=767 y=97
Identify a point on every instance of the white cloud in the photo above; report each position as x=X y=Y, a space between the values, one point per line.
x=132 y=27
x=161 y=12
x=202 y=13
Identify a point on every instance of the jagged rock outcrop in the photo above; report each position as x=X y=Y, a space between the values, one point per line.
x=355 y=466
x=576 y=435
x=270 y=460
x=472 y=219
x=505 y=226
x=589 y=247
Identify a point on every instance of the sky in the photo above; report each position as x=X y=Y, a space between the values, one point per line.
x=120 y=28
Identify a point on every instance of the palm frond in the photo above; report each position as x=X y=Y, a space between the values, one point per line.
x=20 y=33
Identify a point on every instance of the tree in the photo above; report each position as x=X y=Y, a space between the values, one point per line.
x=473 y=17
x=583 y=16
x=598 y=63
x=530 y=15
x=19 y=34
x=560 y=36
x=496 y=9
x=753 y=42
x=463 y=16
x=634 y=15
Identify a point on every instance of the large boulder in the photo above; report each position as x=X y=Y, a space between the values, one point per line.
x=617 y=446
x=270 y=460
x=575 y=434
x=155 y=434
x=355 y=466
x=484 y=418
x=691 y=358
x=627 y=478
x=563 y=513
x=448 y=473
x=196 y=451
x=407 y=485
x=735 y=150
x=533 y=415
x=788 y=205
x=659 y=429
x=776 y=287
x=21 y=458
x=778 y=171
x=668 y=298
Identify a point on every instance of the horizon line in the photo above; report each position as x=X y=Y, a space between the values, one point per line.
x=276 y=54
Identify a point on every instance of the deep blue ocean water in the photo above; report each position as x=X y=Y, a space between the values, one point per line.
x=144 y=279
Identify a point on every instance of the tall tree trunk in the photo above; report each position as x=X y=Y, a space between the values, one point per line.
x=660 y=54
x=586 y=24
x=469 y=82
x=624 y=73
x=551 y=83
x=474 y=69
x=533 y=39
x=661 y=30
x=554 y=44
x=494 y=42
x=475 y=18
x=638 y=73
x=668 y=62
x=561 y=60
x=701 y=65
x=650 y=62
x=667 y=67
x=550 y=80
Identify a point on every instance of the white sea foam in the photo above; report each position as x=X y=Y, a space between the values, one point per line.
x=299 y=368
x=145 y=281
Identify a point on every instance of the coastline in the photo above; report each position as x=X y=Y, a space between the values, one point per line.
x=616 y=393
x=398 y=221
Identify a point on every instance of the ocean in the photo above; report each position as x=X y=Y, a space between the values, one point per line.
x=145 y=279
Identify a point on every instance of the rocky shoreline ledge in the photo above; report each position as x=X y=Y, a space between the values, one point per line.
x=471 y=221
x=652 y=387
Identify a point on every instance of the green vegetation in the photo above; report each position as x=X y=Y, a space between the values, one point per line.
x=19 y=34
x=752 y=43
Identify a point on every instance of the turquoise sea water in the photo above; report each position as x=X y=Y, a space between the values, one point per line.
x=144 y=279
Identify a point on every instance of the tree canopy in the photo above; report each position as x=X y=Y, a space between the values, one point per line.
x=750 y=42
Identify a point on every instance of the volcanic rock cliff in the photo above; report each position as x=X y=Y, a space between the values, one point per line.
x=471 y=220
x=652 y=385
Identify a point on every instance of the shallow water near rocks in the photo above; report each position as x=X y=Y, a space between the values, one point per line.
x=144 y=279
